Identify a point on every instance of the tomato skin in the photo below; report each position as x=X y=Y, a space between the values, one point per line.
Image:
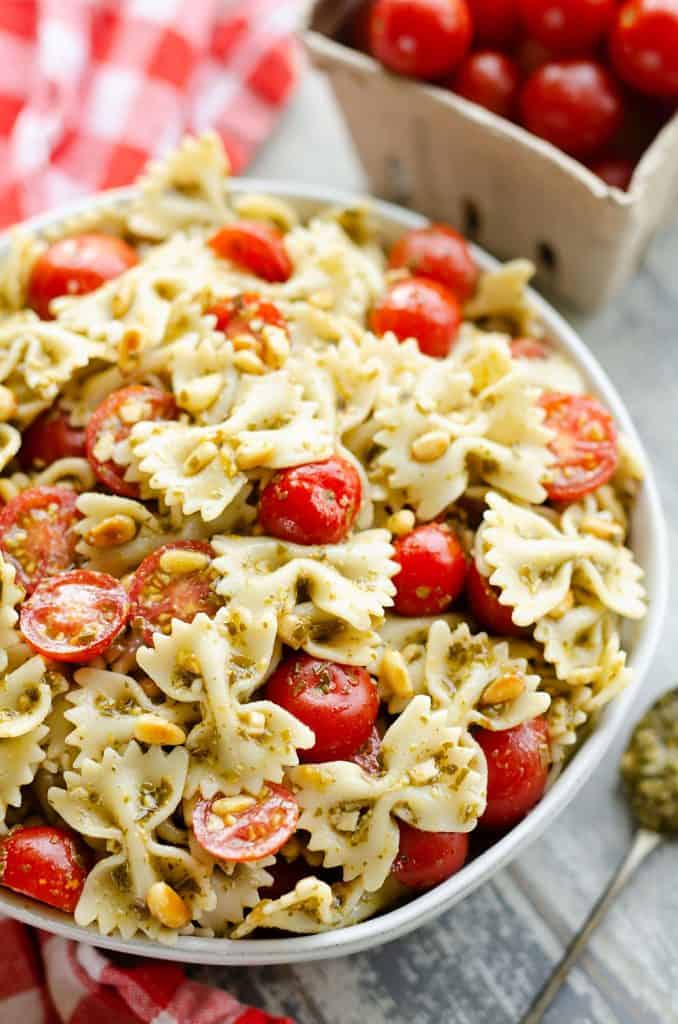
x=421 y=309
x=483 y=601
x=75 y=266
x=339 y=703
x=644 y=46
x=420 y=38
x=51 y=437
x=585 y=445
x=246 y=314
x=368 y=755
x=106 y=421
x=37 y=535
x=257 y=832
x=517 y=771
x=495 y=22
x=44 y=862
x=567 y=26
x=432 y=570
x=426 y=859
x=256 y=247
x=75 y=616
x=573 y=104
x=614 y=171
x=286 y=874
x=528 y=348
x=440 y=253
x=490 y=79
x=312 y=504
x=155 y=602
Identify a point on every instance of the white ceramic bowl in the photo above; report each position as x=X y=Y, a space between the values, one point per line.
x=650 y=547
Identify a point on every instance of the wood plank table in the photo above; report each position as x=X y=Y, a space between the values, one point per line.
x=484 y=960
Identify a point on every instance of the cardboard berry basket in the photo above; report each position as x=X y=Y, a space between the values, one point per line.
x=514 y=194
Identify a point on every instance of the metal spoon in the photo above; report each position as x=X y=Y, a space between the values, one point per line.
x=650 y=771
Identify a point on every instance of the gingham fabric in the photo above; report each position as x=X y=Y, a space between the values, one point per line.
x=45 y=979
x=90 y=89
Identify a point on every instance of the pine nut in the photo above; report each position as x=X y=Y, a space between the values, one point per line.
x=179 y=561
x=114 y=530
x=134 y=410
x=248 y=362
x=8 y=404
x=322 y=299
x=401 y=523
x=228 y=806
x=394 y=679
x=159 y=732
x=430 y=446
x=200 y=458
x=201 y=393
x=167 y=906
x=502 y=690
x=250 y=458
x=256 y=723
x=276 y=346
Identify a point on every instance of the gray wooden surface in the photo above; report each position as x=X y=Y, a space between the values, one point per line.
x=483 y=961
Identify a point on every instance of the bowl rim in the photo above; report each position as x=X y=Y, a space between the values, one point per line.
x=398 y=922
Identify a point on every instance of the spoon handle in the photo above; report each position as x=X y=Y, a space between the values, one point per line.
x=643 y=844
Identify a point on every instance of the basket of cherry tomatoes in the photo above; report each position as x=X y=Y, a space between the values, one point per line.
x=540 y=128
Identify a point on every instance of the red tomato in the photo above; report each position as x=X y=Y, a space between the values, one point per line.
x=251 y=834
x=567 y=26
x=246 y=314
x=421 y=309
x=157 y=596
x=615 y=171
x=74 y=616
x=574 y=104
x=37 y=535
x=112 y=422
x=585 y=445
x=427 y=858
x=368 y=756
x=44 y=862
x=528 y=348
x=495 y=22
x=440 y=253
x=530 y=55
x=517 y=770
x=338 y=702
x=312 y=504
x=256 y=247
x=432 y=570
x=421 y=38
x=49 y=438
x=491 y=80
x=485 y=607
x=286 y=874
x=74 y=266
x=644 y=46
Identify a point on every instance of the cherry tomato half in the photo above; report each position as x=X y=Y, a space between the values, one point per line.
x=312 y=504
x=528 y=348
x=432 y=570
x=51 y=437
x=567 y=26
x=644 y=46
x=421 y=309
x=74 y=266
x=427 y=858
x=495 y=22
x=490 y=79
x=44 y=862
x=247 y=315
x=615 y=171
x=486 y=608
x=37 y=534
x=256 y=832
x=585 y=445
x=574 y=104
x=74 y=616
x=113 y=421
x=517 y=770
x=163 y=588
x=368 y=755
x=440 y=253
x=256 y=247
x=421 y=38
x=338 y=702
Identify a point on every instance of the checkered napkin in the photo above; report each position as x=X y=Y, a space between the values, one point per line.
x=90 y=89
x=45 y=979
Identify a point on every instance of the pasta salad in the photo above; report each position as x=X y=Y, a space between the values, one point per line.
x=312 y=560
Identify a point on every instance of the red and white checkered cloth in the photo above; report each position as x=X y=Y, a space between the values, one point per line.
x=90 y=89
x=45 y=979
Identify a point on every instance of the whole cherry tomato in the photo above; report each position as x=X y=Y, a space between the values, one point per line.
x=440 y=253
x=76 y=265
x=256 y=247
x=427 y=858
x=574 y=104
x=312 y=504
x=644 y=46
x=615 y=171
x=421 y=38
x=486 y=608
x=517 y=771
x=432 y=570
x=490 y=79
x=338 y=702
x=567 y=26
x=495 y=22
x=250 y=834
x=421 y=309
x=51 y=437
x=585 y=445
x=44 y=862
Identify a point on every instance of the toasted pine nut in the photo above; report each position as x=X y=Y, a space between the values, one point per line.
x=502 y=690
x=228 y=806
x=256 y=723
x=276 y=346
x=7 y=403
x=201 y=393
x=167 y=906
x=394 y=679
x=430 y=446
x=114 y=530
x=322 y=299
x=188 y=661
x=178 y=561
x=250 y=458
x=150 y=688
x=248 y=362
x=401 y=522
x=200 y=457
x=134 y=410
x=159 y=732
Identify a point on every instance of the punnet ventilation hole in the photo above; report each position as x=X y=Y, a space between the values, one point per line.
x=546 y=257
x=471 y=219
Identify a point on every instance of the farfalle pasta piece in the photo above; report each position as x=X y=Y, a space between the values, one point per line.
x=502 y=296
x=23 y=250
x=20 y=758
x=400 y=661
x=122 y=800
x=434 y=777
x=11 y=594
x=236 y=745
x=25 y=698
x=204 y=377
x=116 y=533
x=534 y=562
